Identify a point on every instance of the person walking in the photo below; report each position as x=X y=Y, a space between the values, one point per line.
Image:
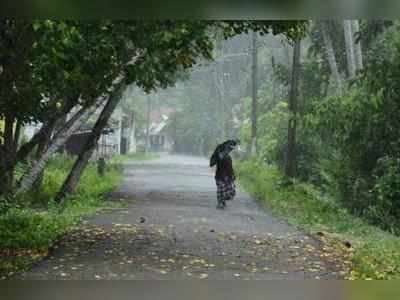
x=224 y=174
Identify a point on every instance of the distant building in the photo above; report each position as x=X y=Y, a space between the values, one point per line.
x=117 y=138
x=160 y=139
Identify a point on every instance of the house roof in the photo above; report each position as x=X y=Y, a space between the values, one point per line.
x=159 y=115
x=159 y=119
x=156 y=128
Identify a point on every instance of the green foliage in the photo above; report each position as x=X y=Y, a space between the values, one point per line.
x=385 y=209
x=291 y=29
x=273 y=133
x=348 y=145
x=376 y=253
x=364 y=138
x=132 y=157
x=38 y=228
x=301 y=202
x=30 y=229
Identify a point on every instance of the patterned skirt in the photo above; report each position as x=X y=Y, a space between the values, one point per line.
x=226 y=190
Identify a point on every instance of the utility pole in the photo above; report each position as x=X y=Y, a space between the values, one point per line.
x=147 y=147
x=291 y=160
x=254 y=96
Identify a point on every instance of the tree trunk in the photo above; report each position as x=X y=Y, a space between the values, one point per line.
x=330 y=54
x=86 y=153
x=147 y=146
x=132 y=133
x=254 y=96
x=43 y=144
x=59 y=124
x=7 y=158
x=348 y=35
x=27 y=148
x=31 y=175
x=357 y=45
x=291 y=162
x=17 y=135
x=273 y=81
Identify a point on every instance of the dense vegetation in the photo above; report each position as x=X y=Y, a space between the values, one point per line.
x=325 y=119
x=65 y=75
x=30 y=228
x=316 y=106
x=347 y=150
x=348 y=143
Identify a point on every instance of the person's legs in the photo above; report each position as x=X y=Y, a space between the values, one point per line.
x=220 y=194
x=230 y=191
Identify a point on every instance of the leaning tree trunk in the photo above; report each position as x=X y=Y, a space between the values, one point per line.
x=254 y=96
x=31 y=175
x=43 y=144
x=330 y=54
x=348 y=35
x=28 y=147
x=290 y=170
x=86 y=153
x=357 y=45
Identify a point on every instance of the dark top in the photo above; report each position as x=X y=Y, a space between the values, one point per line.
x=225 y=169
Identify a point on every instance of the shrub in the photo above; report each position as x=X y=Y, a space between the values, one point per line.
x=37 y=228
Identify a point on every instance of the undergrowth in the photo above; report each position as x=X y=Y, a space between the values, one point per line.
x=34 y=223
x=375 y=253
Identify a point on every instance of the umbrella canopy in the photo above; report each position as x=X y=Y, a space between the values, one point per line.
x=222 y=150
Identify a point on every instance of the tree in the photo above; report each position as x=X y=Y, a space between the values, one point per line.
x=254 y=95
x=290 y=170
x=179 y=42
x=68 y=65
x=16 y=94
x=54 y=74
x=86 y=153
x=348 y=34
x=330 y=54
x=33 y=173
x=355 y=25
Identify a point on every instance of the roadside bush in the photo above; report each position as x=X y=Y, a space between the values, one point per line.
x=29 y=229
x=385 y=209
x=37 y=228
x=375 y=254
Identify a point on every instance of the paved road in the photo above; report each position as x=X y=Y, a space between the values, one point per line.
x=171 y=229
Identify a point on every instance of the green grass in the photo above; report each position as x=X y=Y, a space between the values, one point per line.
x=33 y=226
x=133 y=157
x=376 y=253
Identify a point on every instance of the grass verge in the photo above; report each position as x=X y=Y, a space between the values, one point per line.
x=133 y=157
x=35 y=223
x=374 y=253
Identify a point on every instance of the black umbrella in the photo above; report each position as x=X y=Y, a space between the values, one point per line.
x=221 y=150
